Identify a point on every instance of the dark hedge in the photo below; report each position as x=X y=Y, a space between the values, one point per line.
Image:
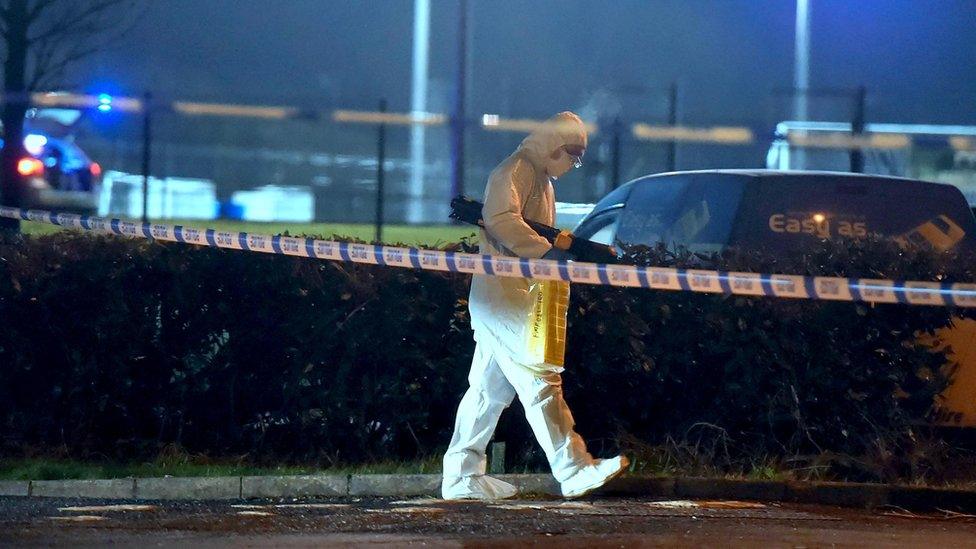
x=114 y=348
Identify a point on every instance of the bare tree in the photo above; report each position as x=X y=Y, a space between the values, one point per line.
x=40 y=41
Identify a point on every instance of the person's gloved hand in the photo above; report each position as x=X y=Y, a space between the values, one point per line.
x=556 y=254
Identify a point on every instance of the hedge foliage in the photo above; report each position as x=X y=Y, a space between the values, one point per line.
x=115 y=348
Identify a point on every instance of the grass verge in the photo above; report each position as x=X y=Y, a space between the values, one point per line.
x=67 y=469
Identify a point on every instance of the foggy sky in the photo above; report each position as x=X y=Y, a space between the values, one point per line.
x=917 y=58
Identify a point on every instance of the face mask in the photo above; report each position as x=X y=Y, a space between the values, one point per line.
x=562 y=164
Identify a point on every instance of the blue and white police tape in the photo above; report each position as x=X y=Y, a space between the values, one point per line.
x=655 y=278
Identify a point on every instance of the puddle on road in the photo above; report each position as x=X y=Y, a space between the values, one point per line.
x=579 y=508
x=293 y=506
x=107 y=508
x=255 y=514
x=312 y=506
x=674 y=504
x=519 y=506
x=687 y=504
x=563 y=508
x=746 y=510
x=414 y=510
x=730 y=505
x=423 y=501
x=78 y=518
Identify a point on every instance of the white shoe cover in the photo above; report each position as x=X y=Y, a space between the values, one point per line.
x=591 y=477
x=476 y=487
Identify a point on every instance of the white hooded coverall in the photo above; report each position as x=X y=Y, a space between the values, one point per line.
x=500 y=306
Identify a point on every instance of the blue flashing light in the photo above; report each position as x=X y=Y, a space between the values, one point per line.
x=104 y=102
x=34 y=143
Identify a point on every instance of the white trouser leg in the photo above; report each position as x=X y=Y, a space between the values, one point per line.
x=488 y=395
x=550 y=419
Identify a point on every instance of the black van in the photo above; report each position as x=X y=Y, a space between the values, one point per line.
x=775 y=211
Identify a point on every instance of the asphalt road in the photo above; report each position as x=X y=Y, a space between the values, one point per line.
x=386 y=521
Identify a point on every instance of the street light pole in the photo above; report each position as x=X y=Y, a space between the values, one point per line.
x=146 y=152
x=380 y=174
x=801 y=67
x=416 y=206
x=459 y=120
x=673 y=122
x=801 y=71
x=857 y=130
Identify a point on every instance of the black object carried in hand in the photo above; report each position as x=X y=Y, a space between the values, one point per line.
x=467 y=210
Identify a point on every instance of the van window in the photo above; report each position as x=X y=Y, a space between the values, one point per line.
x=696 y=211
x=601 y=224
x=651 y=210
x=602 y=227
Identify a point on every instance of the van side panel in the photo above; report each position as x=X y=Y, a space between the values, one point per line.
x=782 y=213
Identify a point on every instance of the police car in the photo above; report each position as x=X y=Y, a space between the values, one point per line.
x=57 y=172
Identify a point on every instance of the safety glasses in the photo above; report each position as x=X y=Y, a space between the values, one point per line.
x=576 y=152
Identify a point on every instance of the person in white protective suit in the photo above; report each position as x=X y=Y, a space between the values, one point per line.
x=502 y=312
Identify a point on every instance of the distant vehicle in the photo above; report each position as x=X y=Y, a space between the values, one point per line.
x=58 y=173
x=775 y=211
x=931 y=152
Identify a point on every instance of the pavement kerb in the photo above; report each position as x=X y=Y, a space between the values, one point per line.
x=184 y=488
x=15 y=488
x=840 y=494
x=253 y=487
x=116 y=488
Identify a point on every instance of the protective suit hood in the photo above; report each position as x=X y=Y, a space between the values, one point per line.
x=565 y=128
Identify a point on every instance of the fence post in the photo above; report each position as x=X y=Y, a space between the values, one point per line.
x=12 y=184
x=857 y=130
x=380 y=173
x=146 y=152
x=673 y=122
x=615 y=154
x=459 y=120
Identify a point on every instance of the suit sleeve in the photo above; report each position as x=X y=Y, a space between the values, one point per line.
x=507 y=191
